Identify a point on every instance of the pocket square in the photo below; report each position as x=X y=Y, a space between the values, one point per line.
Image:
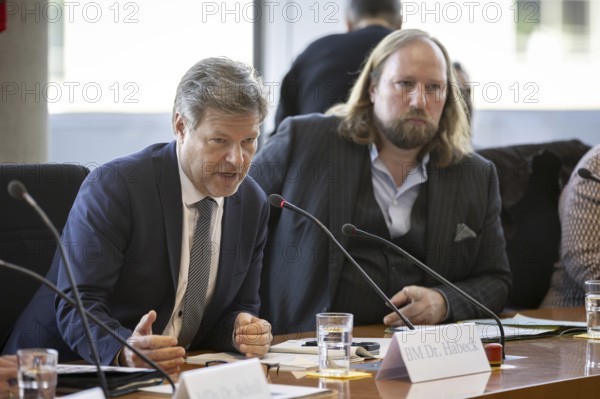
x=463 y=232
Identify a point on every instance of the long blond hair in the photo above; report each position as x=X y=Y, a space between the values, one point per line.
x=453 y=138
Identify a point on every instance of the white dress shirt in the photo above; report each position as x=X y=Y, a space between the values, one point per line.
x=189 y=197
x=396 y=203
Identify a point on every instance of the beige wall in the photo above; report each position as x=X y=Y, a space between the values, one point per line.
x=23 y=79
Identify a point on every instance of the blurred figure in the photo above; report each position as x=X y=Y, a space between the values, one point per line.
x=324 y=73
x=579 y=213
x=463 y=80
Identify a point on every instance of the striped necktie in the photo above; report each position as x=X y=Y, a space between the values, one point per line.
x=198 y=273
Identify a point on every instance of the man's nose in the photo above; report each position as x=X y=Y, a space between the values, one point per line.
x=416 y=97
x=235 y=155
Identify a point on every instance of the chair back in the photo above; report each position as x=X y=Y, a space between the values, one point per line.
x=24 y=239
x=531 y=179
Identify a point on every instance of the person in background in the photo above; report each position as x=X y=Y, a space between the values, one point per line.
x=324 y=72
x=579 y=214
x=464 y=82
x=8 y=377
x=394 y=160
x=167 y=243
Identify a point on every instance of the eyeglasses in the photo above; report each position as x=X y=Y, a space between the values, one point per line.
x=267 y=367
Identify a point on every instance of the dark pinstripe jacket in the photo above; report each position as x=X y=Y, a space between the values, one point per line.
x=312 y=167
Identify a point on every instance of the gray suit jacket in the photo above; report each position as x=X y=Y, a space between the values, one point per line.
x=312 y=167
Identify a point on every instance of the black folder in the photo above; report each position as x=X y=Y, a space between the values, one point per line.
x=121 y=380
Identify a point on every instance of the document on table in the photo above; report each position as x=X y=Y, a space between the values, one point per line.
x=516 y=328
x=120 y=380
x=521 y=320
x=523 y=327
x=292 y=355
x=286 y=361
x=299 y=346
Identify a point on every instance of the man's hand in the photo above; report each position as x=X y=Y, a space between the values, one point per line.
x=252 y=336
x=420 y=305
x=8 y=377
x=161 y=349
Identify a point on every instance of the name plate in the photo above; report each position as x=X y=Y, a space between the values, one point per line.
x=242 y=379
x=435 y=352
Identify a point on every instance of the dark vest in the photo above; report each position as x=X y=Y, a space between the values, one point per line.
x=388 y=269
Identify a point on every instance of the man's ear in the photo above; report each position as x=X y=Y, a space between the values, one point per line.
x=372 y=91
x=349 y=26
x=179 y=126
x=398 y=24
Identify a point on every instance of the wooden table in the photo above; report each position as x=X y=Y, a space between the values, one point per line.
x=549 y=368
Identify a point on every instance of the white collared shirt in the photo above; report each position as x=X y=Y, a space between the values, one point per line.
x=396 y=203
x=189 y=197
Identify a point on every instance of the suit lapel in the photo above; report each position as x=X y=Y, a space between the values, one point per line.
x=442 y=210
x=166 y=174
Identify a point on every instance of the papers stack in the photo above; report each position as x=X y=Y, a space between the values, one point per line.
x=292 y=355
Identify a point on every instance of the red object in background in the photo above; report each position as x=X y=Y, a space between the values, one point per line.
x=2 y=15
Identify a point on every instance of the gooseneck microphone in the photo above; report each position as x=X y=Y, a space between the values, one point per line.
x=104 y=327
x=588 y=175
x=351 y=231
x=277 y=201
x=18 y=191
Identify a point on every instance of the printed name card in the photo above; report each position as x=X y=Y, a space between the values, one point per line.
x=242 y=379
x=435 y=352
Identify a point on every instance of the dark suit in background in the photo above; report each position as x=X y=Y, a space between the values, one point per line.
x=124 y=236
x=312 y=167
x=324 y=73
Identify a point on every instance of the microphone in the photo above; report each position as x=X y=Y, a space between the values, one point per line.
x=588 y=175
x=18 y=191
x=350 y=230
x=277 y=201
x=104 y=327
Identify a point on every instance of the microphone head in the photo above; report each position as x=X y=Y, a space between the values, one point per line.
x=17 y=190
x=585 y=173
x=349 y=230
x=276 y=200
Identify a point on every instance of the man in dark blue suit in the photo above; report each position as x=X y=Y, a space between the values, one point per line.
x=130 y=236
x=323 y=74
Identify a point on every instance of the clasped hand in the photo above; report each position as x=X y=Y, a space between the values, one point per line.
x=252 y=337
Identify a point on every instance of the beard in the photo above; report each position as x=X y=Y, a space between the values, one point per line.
x=407 y=135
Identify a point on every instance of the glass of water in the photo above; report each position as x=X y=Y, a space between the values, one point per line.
x=37 y=373
x=334 y=337
x=592 y=307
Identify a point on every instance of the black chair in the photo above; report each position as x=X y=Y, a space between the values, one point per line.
x=531 y=178
x=24 y=239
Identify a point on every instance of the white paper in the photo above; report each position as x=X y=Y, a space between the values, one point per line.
x=292 y=391
x=297 y=346
x=286 y=361
x=491 y=330
x=521 y=320
x=93 y=393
